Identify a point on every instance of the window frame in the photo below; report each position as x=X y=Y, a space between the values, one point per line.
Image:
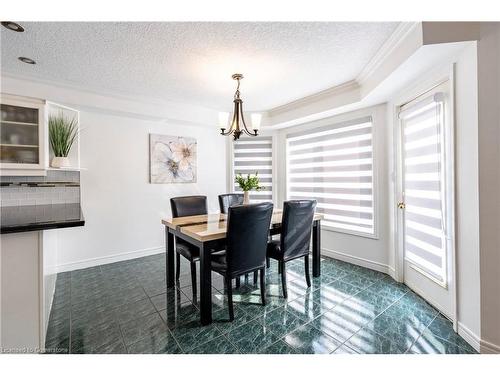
x=373 y=112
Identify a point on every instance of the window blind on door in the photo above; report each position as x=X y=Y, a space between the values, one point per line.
x=255 y=155
x=423 y=184
x=334 y=165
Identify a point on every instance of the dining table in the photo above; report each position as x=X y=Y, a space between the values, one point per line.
x=208 y=232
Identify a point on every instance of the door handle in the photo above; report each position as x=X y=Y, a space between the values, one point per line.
x=401 y=205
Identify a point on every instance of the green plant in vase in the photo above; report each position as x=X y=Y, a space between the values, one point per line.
x=248 y=183
x=62 y=135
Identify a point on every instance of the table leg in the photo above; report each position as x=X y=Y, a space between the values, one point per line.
x=316 y=252
x=205 y=284
x=169 y=258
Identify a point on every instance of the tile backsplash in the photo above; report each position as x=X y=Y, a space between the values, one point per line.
x=16 y=195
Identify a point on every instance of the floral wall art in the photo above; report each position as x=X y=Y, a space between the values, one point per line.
x=172 y=159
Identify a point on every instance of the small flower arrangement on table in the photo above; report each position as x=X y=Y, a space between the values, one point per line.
x=248 y=183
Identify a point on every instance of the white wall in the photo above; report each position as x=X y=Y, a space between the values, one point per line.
x=122 y=209
x=489 y=183
x=369 y=252
x=467 y=195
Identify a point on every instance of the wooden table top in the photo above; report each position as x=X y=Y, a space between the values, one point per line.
x=212 y=226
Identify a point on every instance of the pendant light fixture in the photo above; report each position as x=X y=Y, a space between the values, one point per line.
x=237 y=125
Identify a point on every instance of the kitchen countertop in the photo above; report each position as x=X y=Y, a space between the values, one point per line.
x=17 y=219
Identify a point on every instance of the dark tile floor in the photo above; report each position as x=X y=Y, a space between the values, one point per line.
x=124 y=308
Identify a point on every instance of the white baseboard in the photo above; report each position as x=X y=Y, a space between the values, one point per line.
x=359 y=261
x=109 y=259
x=469 y=336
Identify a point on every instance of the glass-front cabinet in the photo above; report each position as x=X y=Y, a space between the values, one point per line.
x=22 y=134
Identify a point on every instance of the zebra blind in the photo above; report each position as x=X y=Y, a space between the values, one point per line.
x=255 y=155
x=424 y=184
x=334 y=165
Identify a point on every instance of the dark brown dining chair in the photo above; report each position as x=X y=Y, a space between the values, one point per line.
x=246 y=242
x=295 y=239
x=188 y=206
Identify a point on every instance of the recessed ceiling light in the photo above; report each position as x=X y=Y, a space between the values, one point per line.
x=13 y=26
x=27 y=60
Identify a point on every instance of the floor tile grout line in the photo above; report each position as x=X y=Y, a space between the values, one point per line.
x=357 y=331
x=442 y=338
x=420 y=334
x=119 y=325
x=165 y=323
x=364 y=326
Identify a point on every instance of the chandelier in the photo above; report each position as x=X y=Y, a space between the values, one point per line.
x=238 y=125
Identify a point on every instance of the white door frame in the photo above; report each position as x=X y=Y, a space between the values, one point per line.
x=438 y=77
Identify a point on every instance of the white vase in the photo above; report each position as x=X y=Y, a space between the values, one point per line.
x=246 y=197
x=60 y=162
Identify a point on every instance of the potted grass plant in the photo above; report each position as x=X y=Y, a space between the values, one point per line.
x=248 y=183
x=62 y=135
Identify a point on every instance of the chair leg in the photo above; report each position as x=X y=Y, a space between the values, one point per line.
x=246 y=278
x=238 y=282
x=306 y=266
x=177 y=266
x=262 y=285
x=280 y=268
x=283 y=279
x=229 y=288
x=268 y=263
x=193 y=280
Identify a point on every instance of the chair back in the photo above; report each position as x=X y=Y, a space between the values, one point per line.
x=296 y=227
x=228 y=200
x=189 y=205
x=247 y=233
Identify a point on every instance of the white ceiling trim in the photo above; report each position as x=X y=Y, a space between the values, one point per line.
x=328 y=93
x=393 y=42
x=406 y=40
x=326 y=102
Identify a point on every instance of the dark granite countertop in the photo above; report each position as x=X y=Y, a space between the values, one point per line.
x=29 y=218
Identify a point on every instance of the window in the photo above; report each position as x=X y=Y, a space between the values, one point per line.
x=334 y=165
x=255 y=155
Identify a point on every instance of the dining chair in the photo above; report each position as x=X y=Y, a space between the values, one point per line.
x=188 y=206
x=246 y=243
x=295 y=239
x=228 y=200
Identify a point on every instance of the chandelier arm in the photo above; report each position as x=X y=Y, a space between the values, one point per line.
x=229 y=132
x=245 y=129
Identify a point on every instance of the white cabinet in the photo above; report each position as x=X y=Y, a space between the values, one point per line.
x=24 y=135
x=23 y=142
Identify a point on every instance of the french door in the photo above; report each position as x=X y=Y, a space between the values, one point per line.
x=426 y=206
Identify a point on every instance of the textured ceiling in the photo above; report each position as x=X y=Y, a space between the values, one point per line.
x=193 y=62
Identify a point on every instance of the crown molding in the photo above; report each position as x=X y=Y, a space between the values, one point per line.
x=385 y=51
x=354 y=86
x=314 y=98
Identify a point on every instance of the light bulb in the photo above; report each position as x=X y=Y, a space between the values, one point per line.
x=223 y=120
x=256 y=119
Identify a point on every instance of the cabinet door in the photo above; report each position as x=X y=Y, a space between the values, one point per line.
x=21 y=135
